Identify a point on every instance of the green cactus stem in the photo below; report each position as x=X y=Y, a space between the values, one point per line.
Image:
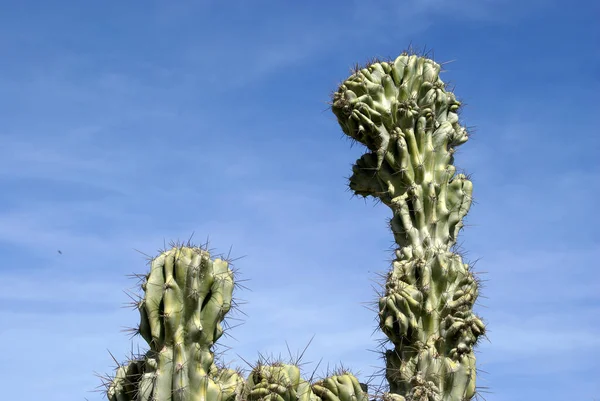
x=403 y=113
x=186 y=297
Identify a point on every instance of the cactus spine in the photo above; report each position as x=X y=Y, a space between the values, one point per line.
x=186 y=297
x=401 y=111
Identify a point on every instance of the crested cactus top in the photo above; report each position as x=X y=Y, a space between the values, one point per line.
x=407 y=94
x=402 y=112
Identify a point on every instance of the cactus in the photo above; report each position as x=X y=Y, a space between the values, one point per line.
x=186 y=297
x=404 y=115
x=401 y=111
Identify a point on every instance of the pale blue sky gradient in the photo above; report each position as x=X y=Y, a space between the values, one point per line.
x=126 y=124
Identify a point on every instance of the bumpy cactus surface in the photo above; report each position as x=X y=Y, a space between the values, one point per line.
x=401 y=111
x=186 y=297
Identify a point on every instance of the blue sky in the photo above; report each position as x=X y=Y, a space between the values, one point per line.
x=127 y=124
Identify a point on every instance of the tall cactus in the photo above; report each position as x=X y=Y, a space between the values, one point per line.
x=186 y=297
x=401 y=111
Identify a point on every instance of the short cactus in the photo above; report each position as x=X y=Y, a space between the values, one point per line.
x=402 y=112
x=282 y=382
x=186 y=297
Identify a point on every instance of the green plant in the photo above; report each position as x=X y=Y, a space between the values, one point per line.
x=186 y=297
x=405 y=116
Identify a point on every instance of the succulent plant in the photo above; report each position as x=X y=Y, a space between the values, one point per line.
x=186 y=297
x=407 y=119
